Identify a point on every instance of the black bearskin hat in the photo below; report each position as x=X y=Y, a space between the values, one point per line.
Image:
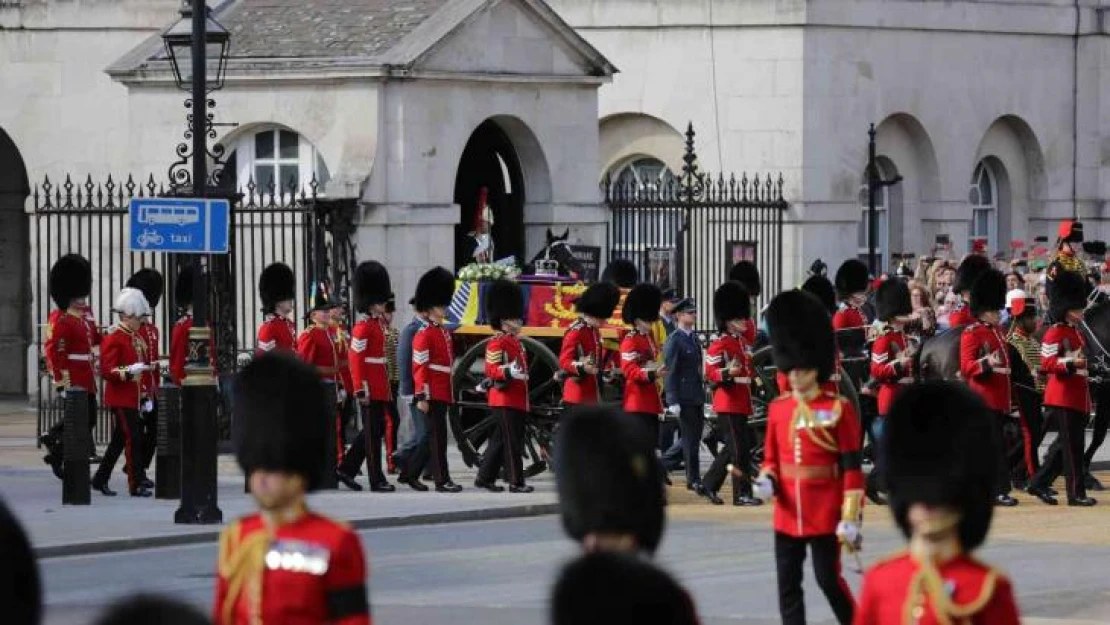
x=284 y=409
x=969 y=271
x=604 y=588
x=183 y=288
x=892 y=299
x=70 y=278
x=643 y=303
x=151 y=283
x=608 y=477
x=504 y=300
x=801 y=334
x=20 y=589
x=144 y=608
x=731 y=301
x=851 y=277
x=822 y=289
x=1069 y=292
x=621 y=272
x=435 y=288
x=372 y=285
x=988 y=292
x=276 y=284
x=599 y=301
x=939 y=450
x=746 y=273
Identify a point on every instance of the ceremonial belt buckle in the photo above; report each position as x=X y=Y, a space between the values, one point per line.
x=741 y=380
x=811 y=471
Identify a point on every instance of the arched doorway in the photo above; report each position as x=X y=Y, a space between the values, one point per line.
x=491 y=160
x=15 y=271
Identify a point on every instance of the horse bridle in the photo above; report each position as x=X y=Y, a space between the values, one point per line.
x=1101 y=359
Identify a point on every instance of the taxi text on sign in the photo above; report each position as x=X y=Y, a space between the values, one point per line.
x=179 y=225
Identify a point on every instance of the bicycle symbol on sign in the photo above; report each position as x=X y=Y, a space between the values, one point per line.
x=150 y=237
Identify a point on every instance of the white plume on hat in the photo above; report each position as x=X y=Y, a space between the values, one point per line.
x=1013 y=295
x=132 y=302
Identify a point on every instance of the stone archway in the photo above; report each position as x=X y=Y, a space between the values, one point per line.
x=15 y=270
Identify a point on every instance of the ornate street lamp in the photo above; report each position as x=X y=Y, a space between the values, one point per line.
x=178 y=39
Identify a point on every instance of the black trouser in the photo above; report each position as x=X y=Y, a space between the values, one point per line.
x=434 y=452
x=691 y=421
x=148 y=422
x=1002 y=471
x=368 y=444
x=1066 y=453
x=790 y=554
x=1025 y=460
x=504 y=448
x=876 y=479
x=127 y=438
x=1098 y=430
x=56 y=430
x=667 y=432
x=651 y=435
x=738 y=436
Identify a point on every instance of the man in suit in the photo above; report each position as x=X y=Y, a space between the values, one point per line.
x=685 y=387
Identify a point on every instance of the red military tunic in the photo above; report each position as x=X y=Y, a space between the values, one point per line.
x=306 y=572
x=849 y=318
x=501 y=352
x=814 y=457
x=1064 y=362
x=276 y=333
x=832 y=385
x=731 y=394
x=977 y=343
x=431 y=363
x=179 y=348
x=316 y=347
x=148 y=332
x=369 y=366
x=68 y=352
x=342 y=342
x=119 y=350
x=961 y=316
x=640 y=391
x=581 y=343
x=886 y=368
x=976 y=594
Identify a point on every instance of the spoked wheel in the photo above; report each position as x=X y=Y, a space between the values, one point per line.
x=472 y=420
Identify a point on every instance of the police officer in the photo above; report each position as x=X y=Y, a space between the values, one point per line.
x=685 y=388
x=277 y=290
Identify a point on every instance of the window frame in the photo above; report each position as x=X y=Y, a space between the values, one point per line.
x=309 y=162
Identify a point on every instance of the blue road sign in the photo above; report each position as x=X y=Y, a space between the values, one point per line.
x=179 y=225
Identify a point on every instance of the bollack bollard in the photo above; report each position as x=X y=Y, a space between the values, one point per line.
x=167 y=469
x=328 y=479
x=76 y=487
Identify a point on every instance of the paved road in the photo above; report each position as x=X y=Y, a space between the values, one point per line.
x=499 y=572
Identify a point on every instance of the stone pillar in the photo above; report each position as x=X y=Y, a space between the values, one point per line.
x=15 y=271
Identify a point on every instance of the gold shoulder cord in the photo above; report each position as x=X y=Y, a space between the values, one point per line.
x=822 y=437
x=240 y=562
x=928 y=586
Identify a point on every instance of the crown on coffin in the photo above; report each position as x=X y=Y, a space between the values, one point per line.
x=547 y=267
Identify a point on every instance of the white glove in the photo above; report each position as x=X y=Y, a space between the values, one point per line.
x=517 y=372
x=849 y=532
x=341 y=396
x=148 y=406
x=763 y=487
x=672 y=410
x=137 y=368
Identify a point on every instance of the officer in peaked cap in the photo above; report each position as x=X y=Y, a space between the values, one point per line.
x=608 y=588
x=1069 y=242
x=621 y=272
x=277 y=289
x=313 y=566
x=152 y=284
x=316 y=346
x=940 y=454
x=582 y=355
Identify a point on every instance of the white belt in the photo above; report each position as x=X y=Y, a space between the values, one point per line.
x=741 y=380
x=85 y=357
x=834 y=377
x=440 y=368
x=374 y=361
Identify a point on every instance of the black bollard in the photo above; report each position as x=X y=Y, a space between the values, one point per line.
x=328 y=479
x=167 y=469
x=76 y=489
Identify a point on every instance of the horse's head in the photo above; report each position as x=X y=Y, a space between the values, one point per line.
x=558 y=249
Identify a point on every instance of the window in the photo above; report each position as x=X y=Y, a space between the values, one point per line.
x=983 y=198
x=278 y=159
x=637 y=229
x=882 y=224
x=645 y=174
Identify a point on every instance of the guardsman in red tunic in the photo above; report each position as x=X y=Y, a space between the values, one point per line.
x=277 y=290
x=941 y=478
x=966 y=274
x=151 y=283
x=582 y=355
x=985 y=362
x=316 y=347
x=507 y=366
x=891 y=364
x=370 y=377
x=747 y=274
x=432 y=358
x=811 y=461
x=640 y=357
x=286 y=564
x=823 y=290
x=1067 y=396
x=69 y=346
x=122 y=365
x=849 y=320
x=179 y=337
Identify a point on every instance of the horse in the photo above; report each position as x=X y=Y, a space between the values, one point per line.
x=557 y=249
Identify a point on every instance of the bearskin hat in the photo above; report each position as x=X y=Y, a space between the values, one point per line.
x=151 y=283
x=607 y=475
x=283 y=409
x=621 y=272
x=183 y=288
x=435 y=288
x=939 y=450
x=822 y=289
x=642 y=303
x=851 y=277
x=801 y=334
x=599 y=301
x=504 y=300
x=372 y=285
x=969 y=271
x=988 y=292
x=1068 y=292
x=746 y=273
x=144 y=608
x=731 y=301
x=892 y=299
x=20 y=589
x=131 y=302
x=1070 y=231
x=606 y=587
x=70 y=278
x=276 y=284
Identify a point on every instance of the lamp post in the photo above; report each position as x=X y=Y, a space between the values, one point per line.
x=189 y=43
x=874 y=183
